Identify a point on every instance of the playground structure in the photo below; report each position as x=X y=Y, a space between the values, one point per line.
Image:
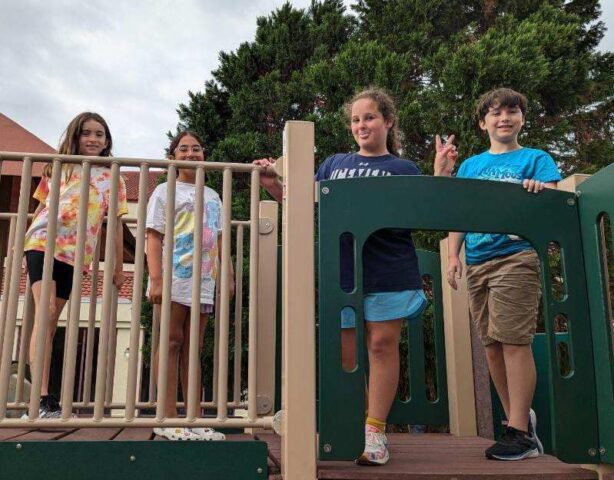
x=579 y=405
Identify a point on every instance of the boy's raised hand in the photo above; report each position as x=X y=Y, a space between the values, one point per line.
x=445 y=156
x=268 y=177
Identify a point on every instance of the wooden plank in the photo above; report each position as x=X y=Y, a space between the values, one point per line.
x=134 y=434
x=45 y=435
x=9 y=433
x=91 y=434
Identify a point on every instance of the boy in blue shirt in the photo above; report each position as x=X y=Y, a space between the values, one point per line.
x=503 y=272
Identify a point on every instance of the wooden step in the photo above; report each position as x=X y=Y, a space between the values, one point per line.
x=439 y=456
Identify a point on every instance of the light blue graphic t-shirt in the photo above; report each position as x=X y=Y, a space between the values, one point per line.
x=511 y=167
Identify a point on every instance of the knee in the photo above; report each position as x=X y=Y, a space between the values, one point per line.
x=175 y=343
x=382 y=345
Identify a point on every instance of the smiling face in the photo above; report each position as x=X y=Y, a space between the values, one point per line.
x=92 y=139
x=188 y=148
x=503 y=124
x=369 y=127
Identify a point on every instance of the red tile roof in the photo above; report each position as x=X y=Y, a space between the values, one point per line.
x=86 y=289
x=15 y=138
x=132 y=183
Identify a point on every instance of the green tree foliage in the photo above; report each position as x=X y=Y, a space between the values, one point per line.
x=435 y=56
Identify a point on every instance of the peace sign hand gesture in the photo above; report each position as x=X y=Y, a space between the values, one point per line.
x=445 y=156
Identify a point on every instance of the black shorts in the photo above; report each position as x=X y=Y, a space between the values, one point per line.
x=62 y=273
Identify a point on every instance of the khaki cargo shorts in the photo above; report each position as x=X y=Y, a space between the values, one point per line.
x=504 y=298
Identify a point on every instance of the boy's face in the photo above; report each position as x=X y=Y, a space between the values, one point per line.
x=503 y=123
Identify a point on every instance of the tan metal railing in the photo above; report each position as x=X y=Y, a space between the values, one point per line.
x=107 y=408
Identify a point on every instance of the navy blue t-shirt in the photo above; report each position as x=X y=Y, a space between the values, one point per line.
x=389 y=256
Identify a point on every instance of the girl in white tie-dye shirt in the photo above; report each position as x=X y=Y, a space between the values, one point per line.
x=185 y=146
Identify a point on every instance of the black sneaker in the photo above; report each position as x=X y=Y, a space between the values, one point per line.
x=49 y=407
x=513 y=445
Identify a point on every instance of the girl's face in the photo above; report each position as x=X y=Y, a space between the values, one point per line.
x=188 y=148
x=369 y=127
x=92 y=139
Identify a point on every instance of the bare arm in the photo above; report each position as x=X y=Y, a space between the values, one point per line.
x=455 y=267
x=269 y=179
x=118 y=274
x=154 y=264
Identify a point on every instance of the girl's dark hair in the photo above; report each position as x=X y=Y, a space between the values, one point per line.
x=500 y=97
x=177 y=138
x=385 y=105
x=69 y=143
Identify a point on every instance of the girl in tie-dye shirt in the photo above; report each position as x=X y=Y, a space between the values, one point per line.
x=185 y=146
x=87 y=134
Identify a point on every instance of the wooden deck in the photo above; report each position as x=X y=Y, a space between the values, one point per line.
x=413 y=457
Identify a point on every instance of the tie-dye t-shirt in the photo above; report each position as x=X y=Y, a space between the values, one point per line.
x=183 y=244
x=68 y=210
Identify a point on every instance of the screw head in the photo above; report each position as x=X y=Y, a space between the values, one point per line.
x=325 y=190
x=592 y=452
x=259 y=470
x=18 y=446
x=602 y=451
x=571 y=202
x=328 y=447
x=132 y=458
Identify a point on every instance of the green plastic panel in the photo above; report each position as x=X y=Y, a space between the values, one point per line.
x=596 y=198
x=362 y=206
x=418 y=409
x=151 y=460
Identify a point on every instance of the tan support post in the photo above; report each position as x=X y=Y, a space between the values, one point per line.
x=298 y=446
x=459 y=363
x=267 y=306
x=570 y=184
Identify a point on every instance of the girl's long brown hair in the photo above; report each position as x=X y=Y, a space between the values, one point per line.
x=69 y=143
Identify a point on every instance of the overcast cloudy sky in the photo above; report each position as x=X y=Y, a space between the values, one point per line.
x=133 y=62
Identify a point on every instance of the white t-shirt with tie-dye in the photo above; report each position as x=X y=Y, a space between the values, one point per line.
x=68 y=209
x=183 y=244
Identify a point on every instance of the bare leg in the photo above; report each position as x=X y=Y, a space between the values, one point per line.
x=384 y=365
x=521 y=379
x=176 y=339
x=348 y=349
x=55 y=307
x=496 y=366
x=185 y=355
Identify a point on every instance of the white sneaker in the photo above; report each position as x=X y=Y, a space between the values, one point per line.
x=208 y=434
x=177 y=433
x=376 y=451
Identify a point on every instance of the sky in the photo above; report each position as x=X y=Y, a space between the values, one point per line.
x=132 y=62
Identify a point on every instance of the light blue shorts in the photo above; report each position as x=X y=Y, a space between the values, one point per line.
x=383 y=306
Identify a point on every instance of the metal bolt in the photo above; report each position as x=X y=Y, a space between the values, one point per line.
x=578 y=193
x=328 y=447
x=571 y=202
x=132 y=458
x=259 y=470
x=602 y=451
x=325 y=190
x=592 y=452
x=18 y=446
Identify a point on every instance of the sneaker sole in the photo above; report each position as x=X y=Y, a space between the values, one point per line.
x=364 y=461
x=534 y=453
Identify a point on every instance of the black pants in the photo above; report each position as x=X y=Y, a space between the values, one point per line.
x=62 y=273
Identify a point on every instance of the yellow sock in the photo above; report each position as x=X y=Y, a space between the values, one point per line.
x=374 y=422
